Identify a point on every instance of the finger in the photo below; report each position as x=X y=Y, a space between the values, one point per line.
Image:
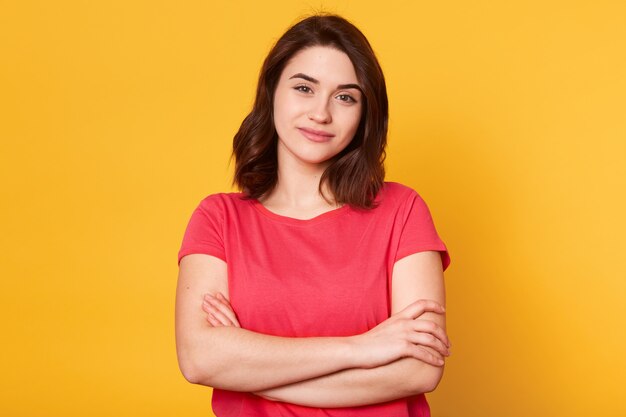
x=419 y=307
x=427 y=339
x=218 y=301
x=216 y=313
x=225 y=309
x=431 y=327
x=224 y=300
x=221 y=297
x=427 y=357
x=213 y=321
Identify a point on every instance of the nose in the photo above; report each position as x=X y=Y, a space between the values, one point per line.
x=320 y=112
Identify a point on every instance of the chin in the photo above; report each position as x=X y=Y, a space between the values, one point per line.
x=316 y=159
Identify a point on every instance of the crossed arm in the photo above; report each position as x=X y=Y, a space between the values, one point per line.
x=315 y=372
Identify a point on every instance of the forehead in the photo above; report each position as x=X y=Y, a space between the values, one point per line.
x=326 y=64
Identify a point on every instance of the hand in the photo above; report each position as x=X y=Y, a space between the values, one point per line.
x=401 y=335
x=219 y=311
x=405 y=335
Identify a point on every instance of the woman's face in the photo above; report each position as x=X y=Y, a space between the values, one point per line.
x=317 y=105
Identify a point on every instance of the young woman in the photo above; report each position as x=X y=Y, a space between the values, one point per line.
x=318 y=289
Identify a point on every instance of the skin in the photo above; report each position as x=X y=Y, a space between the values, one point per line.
x=317 y=90
x=308 y=96
x=357 y=387
x=404 y=355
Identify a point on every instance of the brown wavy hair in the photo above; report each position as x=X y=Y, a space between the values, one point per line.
x=357 y=173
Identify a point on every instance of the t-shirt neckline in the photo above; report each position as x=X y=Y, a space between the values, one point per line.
x=297 y=222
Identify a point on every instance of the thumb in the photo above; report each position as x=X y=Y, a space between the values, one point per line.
x=419 y=307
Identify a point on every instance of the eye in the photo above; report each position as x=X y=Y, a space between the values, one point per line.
x=346 y=98
x=302 y=88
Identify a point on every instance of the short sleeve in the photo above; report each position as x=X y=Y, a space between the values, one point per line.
x=419 y=233
x=204 y=233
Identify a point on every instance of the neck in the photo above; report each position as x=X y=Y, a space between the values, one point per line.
x=298 y=185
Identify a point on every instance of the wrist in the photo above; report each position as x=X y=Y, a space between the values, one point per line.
x=354 y=352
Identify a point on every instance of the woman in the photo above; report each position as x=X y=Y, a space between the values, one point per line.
x=317 y=290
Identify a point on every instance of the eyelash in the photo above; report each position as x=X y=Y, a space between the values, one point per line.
x=300 y=88
x=350 y=98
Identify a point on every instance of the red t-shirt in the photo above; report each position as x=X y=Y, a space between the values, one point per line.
x=325 y=276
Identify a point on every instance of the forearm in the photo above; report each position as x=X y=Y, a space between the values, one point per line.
x=357 y=387
x=241 y=360
x=381 y=345
x=229 y=357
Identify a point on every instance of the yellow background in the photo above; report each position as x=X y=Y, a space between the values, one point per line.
x=117 y=118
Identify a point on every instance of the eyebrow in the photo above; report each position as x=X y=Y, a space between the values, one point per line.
x=314 y=81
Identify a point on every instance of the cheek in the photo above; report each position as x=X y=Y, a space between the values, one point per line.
x=351 y=121
x=278 y=112
x=284 y=108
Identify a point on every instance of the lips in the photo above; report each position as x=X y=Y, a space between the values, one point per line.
x=316 y=135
